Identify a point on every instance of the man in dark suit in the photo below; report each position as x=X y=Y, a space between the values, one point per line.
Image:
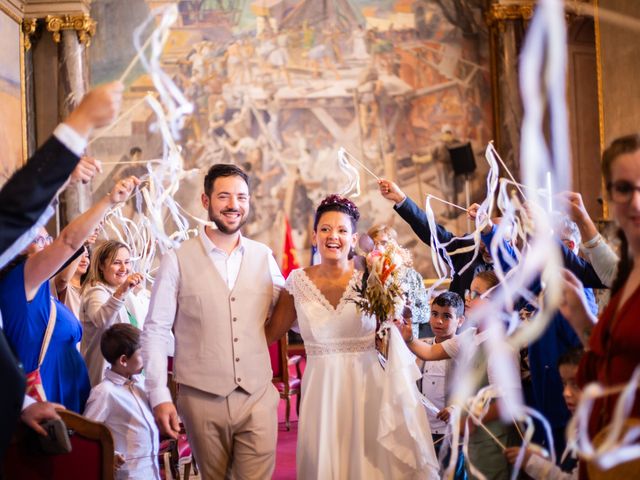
x=23 y=203
x=417 y=220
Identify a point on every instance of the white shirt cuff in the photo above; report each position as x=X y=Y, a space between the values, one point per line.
x=159 y=395
x=27 y=402
x=70 y=139
x=401 y=202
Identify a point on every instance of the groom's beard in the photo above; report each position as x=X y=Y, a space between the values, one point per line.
x=219 y=220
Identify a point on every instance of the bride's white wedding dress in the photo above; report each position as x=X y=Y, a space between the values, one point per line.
x=356 y=422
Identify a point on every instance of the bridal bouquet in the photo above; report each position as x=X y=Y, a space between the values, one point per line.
x=379 y=292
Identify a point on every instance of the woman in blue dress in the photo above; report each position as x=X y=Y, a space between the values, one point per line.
x=26 y=301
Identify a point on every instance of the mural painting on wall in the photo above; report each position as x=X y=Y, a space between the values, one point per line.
x=11 y=111
x=279 y=86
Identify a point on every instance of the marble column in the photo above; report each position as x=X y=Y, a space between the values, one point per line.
x=28 y=32
x=73 y=34
x=71 y=89
x=507 y=24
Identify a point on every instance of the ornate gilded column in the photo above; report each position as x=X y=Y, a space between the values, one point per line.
x=507 y=24
x=73 y=34
x=29 y=27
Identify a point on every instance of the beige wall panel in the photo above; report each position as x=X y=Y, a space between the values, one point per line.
x=620 y=58
x=583 y=107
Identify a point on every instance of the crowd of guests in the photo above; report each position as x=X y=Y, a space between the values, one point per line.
x=576 y=347
x=73 y=310
x=69 y=311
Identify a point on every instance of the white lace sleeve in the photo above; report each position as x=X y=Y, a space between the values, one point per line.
x=290 y=283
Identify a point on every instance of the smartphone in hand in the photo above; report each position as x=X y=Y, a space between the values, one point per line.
x=57 y=439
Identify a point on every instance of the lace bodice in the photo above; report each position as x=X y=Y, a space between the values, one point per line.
x=326 y=329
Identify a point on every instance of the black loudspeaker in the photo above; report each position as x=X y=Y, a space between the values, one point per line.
x=462 y=159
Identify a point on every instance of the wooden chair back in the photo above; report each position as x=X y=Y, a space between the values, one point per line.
x=91 y=457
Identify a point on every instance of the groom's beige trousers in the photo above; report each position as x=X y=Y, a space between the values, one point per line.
x=232 y=437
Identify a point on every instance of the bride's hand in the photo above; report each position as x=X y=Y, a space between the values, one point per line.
x=405 y=329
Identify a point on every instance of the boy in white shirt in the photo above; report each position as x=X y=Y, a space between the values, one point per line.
x=120 y=402
x=447 y=315
x=484 y=453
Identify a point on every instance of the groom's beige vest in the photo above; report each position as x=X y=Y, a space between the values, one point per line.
x=220 y=339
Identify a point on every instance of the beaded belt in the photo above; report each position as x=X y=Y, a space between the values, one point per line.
x=345 y=346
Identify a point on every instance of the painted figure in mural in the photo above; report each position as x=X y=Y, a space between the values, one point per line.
x=235 y=69
x=133 y=164
x=199 y=59
x=343 y=383
x=219 y=118
x=247 y=51
x=322 y=52
x=272 y=119
x=332 y=39
x=279 y=56
x=215 y=293
x=359 y=44
x=266 y=44
x=368 y=89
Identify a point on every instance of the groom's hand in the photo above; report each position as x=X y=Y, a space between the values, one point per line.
x=444 y=415
x=167 y=419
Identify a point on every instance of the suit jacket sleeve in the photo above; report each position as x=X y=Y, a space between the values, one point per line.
x=417 y=220
x=30 y=190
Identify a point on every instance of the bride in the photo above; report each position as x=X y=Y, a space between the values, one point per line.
x=344 y=432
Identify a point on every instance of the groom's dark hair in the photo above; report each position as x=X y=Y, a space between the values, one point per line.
x=222 y=170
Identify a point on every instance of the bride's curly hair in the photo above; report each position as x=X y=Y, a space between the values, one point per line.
x=338 y=203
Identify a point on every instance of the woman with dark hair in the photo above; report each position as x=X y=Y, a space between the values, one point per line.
x=342 y=387
x=613 y=341
x=68 y=282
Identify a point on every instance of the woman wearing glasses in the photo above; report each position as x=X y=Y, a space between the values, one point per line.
x=613 y=341
x=28 y=308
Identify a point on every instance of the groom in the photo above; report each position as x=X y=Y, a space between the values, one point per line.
x=216 y=292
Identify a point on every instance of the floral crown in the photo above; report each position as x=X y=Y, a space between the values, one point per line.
x=341 y=203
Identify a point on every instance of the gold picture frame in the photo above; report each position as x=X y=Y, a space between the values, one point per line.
x=14 y=151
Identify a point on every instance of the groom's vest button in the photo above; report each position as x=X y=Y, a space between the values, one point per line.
x=237 y=359
x=235 y=339
x=233 y=299
x=235 y=319
x=239 y=379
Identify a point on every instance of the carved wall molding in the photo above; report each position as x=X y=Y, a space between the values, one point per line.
x=498 y=13
x=42 y=8
x=83 y=24
x=29 y=26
